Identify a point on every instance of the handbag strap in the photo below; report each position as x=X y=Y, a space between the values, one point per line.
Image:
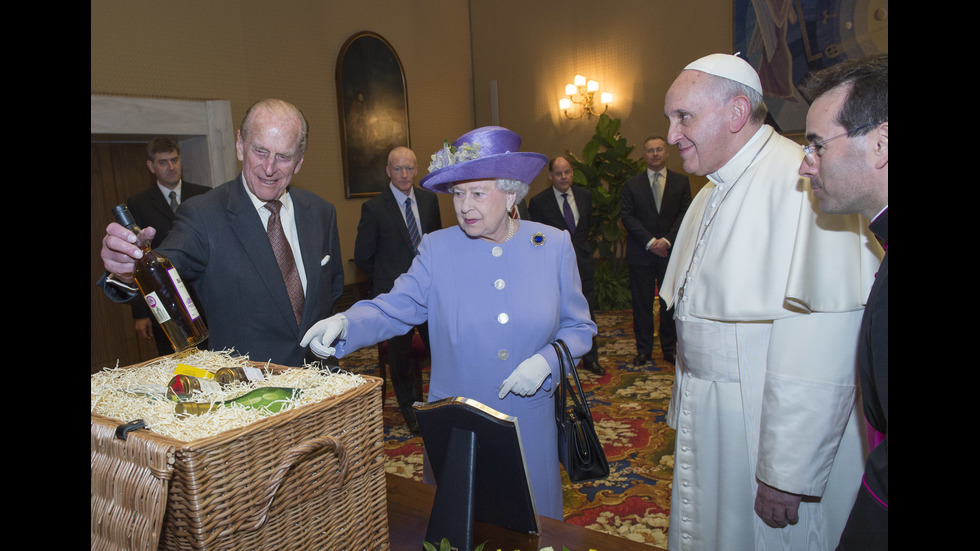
x=561 y=398
x=579 y=396
x=564 y=355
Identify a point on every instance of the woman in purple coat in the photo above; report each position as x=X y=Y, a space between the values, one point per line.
x=495 y=292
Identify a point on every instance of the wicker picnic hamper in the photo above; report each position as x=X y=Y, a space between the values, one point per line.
x=311 y=478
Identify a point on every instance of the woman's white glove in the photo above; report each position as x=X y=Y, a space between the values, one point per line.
x=322 y=335
x=527 y=378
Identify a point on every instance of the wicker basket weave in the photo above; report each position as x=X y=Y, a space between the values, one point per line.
x=311 y=478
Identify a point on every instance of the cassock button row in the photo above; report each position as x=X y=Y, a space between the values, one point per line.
x=502 y=318
x=503 y=355
x=499 y=284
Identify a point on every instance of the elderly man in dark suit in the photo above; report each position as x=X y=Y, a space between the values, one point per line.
x=569 y=207
x=156 y=207
x=391 y=227
x=654 y=204
x=221 y=244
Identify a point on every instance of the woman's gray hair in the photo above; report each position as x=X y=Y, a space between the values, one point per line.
x=506 y=185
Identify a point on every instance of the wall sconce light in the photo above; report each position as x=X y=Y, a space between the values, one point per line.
x=582 y=92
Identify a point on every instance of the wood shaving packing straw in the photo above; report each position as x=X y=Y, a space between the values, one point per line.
x=123 y=393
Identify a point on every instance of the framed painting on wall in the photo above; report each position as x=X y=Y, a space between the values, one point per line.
x=373 y=105
x=787 y=39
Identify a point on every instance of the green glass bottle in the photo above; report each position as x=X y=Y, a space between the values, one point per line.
x=270 y=398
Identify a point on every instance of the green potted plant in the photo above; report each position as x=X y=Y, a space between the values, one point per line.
x=603 y=168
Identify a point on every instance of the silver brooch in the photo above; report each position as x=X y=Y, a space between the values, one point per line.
x=538 y=239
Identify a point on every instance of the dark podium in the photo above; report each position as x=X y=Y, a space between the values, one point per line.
x=477 y=460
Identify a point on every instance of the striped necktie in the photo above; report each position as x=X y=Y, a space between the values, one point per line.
x=173 y=201
x=413 y=227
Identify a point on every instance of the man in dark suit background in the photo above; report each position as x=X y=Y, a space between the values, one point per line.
x=384 y=249
x=221 y=244
x=654 y=204
x=549 y=207
x=156 y=207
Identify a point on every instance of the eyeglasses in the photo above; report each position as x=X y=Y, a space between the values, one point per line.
x=810 y=150
x=400 y=169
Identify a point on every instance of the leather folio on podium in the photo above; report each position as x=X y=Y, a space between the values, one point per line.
x=478 y=462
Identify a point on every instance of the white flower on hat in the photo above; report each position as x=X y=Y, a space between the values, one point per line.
x=451 y=155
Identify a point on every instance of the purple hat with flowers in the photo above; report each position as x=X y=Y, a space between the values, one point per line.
x=486 y=153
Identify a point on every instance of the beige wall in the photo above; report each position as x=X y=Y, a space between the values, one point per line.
x=245 y=50
x=634 y=48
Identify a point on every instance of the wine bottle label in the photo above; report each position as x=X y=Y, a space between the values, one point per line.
x=184 y=369
x=159 y=312
x=253 y=373
x=208 y=385
x=185 y=297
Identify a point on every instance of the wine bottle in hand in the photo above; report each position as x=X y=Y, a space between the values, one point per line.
x=165 y=293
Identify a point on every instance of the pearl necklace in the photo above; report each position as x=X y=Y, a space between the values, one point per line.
x=510 y=229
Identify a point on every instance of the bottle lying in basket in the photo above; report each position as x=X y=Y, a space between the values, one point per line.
x=183 y=386
x=269 y=398
x=229 y=375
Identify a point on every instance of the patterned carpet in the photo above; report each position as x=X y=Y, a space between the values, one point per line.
x=629 y=405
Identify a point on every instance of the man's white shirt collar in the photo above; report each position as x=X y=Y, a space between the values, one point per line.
x=662 y=172
x=400 y=195
x=166 y=191
x=259 y=204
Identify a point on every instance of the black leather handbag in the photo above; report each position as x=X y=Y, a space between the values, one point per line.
x=579 y=449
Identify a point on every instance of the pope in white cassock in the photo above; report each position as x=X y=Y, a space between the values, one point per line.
x=768 y=295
